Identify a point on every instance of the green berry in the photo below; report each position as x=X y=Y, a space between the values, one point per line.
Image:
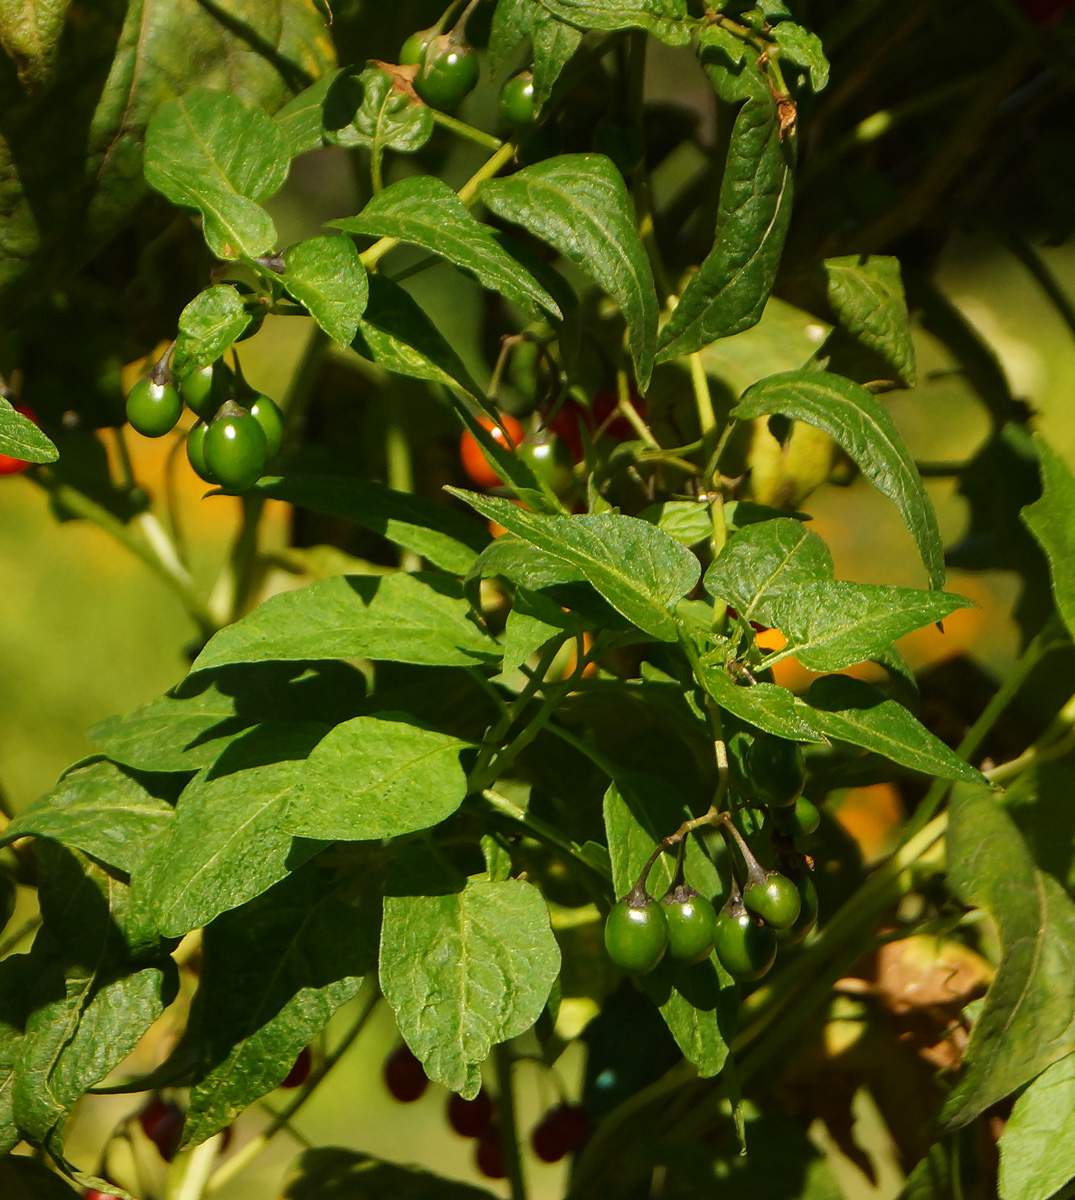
x=691 y=922
x=196 y=388
x=410 y=53
x=745 y=947
x=516 y=104
x=807 y=912
x=636 y=933
x=448 y=72
x=800 y=820
x=271 y=420
x=777 y=770
x=776 y=900
x=153 y=408
x=235 y=448
x=550 y=459
x=196 y=452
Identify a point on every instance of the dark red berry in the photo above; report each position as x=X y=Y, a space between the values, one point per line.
x=403 y=1075
x=94 y=1194
x=162 y=1123
x=470 y=1118
x=560 y=1132
x=489 y=1155
x=300 y=1072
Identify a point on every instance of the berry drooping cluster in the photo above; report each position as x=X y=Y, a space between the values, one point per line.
x=763 y=906
x=239 y=432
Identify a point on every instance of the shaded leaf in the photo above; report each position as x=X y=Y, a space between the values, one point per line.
x=326 y=274
x=1037 y=1147
x=329 y=1173
x=300 y=119
x=579 y=204
x=865 y=292
x=1052 y=522
x=367 y=109
x=17 y=975
x=764 y=705
x=854 y=418
x=665 y=19
x=425 y=211
x=208 y=151
x=804 y=49
x=23 y=1178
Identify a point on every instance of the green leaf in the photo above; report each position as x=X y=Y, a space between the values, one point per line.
x=1037 y=1147
x=30 y=35
x=533 y=620
x=688 y=521
x=369 y=110
x=326 y=274
x=665 y=19
x=464 y=969
x=856 y=420
x=638 y=569
x=553 y=41
x=1052 y=522
x=834 y=624
x=89 y=1003
x=208 y=151
x=522 y=564
x=17 y=975
x=377 y=777
x=764 y=705
x=579 y=204
x=728 y=293
x=761 y=561
x=396 y=334
x=1039 y=802
x=21 y=438
x=449 y=539
x=399 y=617
x=865 y=292
x=300 y=119
x=208 y=325
x=329 y=1173
x=698 y=1002
x=855 y=712
x=273 y=973
x=425 y=211
x=100 y=810
x=227 y=843
x=804 y=49
x=1026 y=1023
x=23 y=1178
x=784 y=339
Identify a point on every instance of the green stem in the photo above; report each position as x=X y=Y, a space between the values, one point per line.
x=400 y=471
x=634 y=417
x=505 y=1118
x=465 y=131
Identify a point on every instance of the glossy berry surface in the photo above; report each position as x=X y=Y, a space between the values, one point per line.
x=300 y=1071
x=94 y=1194
x=517 y=99
x=807 y=918
x=196 y=452
x=404 y=1076
x=271 y=420
x=489 y=1155
x=410 y=53
x=162 y=1123
x=447 y=72
x=745 y=947
x=562 y=1131
x=235 y=448
x=153 y=408
x=691 y=922
x=777 y=771
x=13 y=466
x=470 y=454
x=800 y=820
x=550 y=460
x=196 y=388
x=470 y=1118
x=776 y=901
x=636 y=935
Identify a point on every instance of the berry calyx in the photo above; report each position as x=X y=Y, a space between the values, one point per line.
x=470 y=454
x=777 y=771
x=235 y=448
x=404 y=1076
x=14 y=466
x=300 y=1071
x=562 y=1131
x=489 y=1155
x=798 y=821
x=162 y=1122
x=745 y=946
x=775 y=899
x=153 y=406
x=470 y=1118
x=516 y=103
x=636 y=932
x=691 y=922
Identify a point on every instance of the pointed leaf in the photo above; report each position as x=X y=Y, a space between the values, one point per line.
x=1052 y=522
x=21 y=438
x=326 y=274
x=375 y=778
x=665 y=19
x=1027 y=1021
x=834 y=624
x=464 y=970
x=399 y=618
x=1037 y=1147
x=856 y=420
x=425 y=211
x=579 y=204
x=208 y=151
x=866 y=295
x=638 y=569
x=804 y=49
x=764 y=705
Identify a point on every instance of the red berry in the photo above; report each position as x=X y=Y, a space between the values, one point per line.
x=470 y=1118
x=300 y=1072
x=489 y=1156
x=571 y=416
x=470 y=452
x=94 y=1194
x=162 y=1123
x=560 y=1132
x=12 y=466
x=403 y=1075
